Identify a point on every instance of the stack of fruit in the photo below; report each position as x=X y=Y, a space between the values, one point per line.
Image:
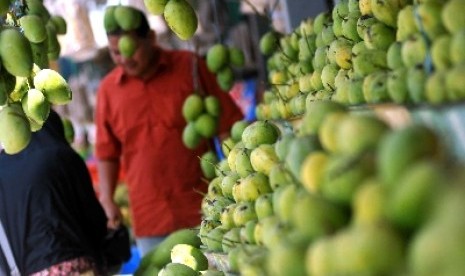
x=28 y=40
x=407 y=52
x=343 y=194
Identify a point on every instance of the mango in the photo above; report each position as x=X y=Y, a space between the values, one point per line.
x=69 y=129
x=15 y=134
x=162 y=254
x=54 y=86
x=260 y=132
x=181 y=18
x=53 y=45
x=192 y=107
x=35 y=106
x=206 y=125
x=109 y=21
x=60 y=24
x=190 y=137
x=225 y=78
x=217 y=57
x=127 y=46
x=34 y=28
x=207 y=164
x=127 y=17
x=212 y=105
x=189 y=255
x=236 y=57
x=156 y=7
x=15 y=52
x=37 y=7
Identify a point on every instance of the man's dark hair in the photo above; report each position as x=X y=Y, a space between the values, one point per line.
x=141 y=31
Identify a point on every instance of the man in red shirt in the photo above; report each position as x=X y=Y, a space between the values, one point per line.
x=139 y=126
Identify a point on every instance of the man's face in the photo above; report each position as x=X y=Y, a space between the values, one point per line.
x=138 y=63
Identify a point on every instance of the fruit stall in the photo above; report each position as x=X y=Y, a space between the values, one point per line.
x=353 y=160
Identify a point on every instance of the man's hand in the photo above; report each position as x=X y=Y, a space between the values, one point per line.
x=113 y=213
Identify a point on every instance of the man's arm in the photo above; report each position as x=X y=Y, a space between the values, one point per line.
x=108 y=171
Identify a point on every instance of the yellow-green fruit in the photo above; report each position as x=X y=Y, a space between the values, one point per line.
x=54 y=86
x=15 y=52
x=69 y=129
x=175 y=269
x=53 y=45
x=192 y=107
x=181 y=18
x=190 y=137
x=4 y=7
x=206 y=125
x=15 y=133
x=207 y=164
x=162 y=255
x=189 y=255
x=451 y=15
x=236 y=57
x=263 y=158
x=127 y=46
x=212 y=105
x=35 y=106
x=155 y=6
x=127 y=17
x=217 y=57
x=260 y=132
x=37 y=7
x=109 y=21
x=312 y=170
x=225 y=78
x=34 y=28
x=59 y=23
x=269 y=43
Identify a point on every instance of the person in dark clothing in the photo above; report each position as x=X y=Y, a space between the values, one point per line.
x=52 y=218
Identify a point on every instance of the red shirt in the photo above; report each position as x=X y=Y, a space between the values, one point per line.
x=142 y=123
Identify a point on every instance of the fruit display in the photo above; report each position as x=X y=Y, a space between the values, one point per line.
x=28 y=41
x=366 y=52
x=321 y=185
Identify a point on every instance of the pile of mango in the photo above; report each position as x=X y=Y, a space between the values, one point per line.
x=28 y=41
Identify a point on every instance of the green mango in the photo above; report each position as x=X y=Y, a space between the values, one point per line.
x=34 y=28
x=181 y=18
x=35 y=106
x=193 y=107
x=37 y=7
x=54 y=86
x=40 y=54
x=15 y=133
x=190 y=137
x=127 y=17
x=206 y=125
x=156 y=7
x=60 y=24
x=212 y=105
x=15 y=52
x=217 y=57
x=189 y=255
x=109 y=21
x=127 y=46
x=176 y=269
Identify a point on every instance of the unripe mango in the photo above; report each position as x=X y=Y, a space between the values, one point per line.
x=53 y=85
x=190 y=137
x=127 y=46
x=15 y=133
x=109 y=21
x=15 y=52
x=181 y=18
x=217 y=57
x=60 y=24
x=34 y=28
x=37 y=7
x=127 y=17
x=192 y=107
x=35 y=106
x=156 y=7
